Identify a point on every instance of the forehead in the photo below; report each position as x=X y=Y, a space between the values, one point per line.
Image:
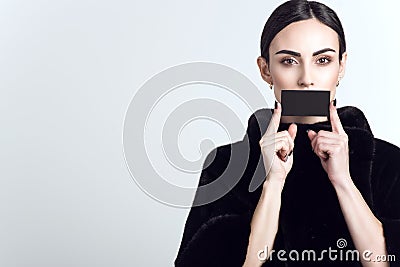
x=305 y=36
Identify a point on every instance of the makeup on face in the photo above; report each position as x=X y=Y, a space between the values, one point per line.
x=304 y=56
x=297 y=54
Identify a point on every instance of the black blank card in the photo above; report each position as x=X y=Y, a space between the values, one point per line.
x=305 y=102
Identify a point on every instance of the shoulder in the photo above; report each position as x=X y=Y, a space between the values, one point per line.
x=258 y=123
x=386 y=153
x=233 y=158
x=220 y=160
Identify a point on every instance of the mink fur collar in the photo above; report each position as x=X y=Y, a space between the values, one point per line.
x=250 y=164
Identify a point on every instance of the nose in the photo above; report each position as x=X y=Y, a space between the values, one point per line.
x=305 y=79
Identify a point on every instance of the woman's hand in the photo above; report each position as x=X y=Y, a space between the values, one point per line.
x=277 y=147
x=365 y=229
x=333 y=150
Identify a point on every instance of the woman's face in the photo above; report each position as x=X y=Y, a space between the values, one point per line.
x=304 y=55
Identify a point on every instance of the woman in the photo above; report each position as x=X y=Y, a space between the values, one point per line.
x=331 y=189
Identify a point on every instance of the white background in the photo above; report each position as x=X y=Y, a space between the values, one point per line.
x=68 y=70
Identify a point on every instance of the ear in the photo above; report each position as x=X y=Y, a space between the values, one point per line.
x=342 y=66
x=264 y=69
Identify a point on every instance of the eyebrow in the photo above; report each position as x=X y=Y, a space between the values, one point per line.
x=297 y=54
x=323 y=51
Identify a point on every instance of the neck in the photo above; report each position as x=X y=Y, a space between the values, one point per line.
x=303 y=119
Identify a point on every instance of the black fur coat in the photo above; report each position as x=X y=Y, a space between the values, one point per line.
x=217 y=234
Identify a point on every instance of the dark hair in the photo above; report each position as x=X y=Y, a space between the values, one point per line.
x=297 y=10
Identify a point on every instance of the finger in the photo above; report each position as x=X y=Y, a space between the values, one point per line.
x=286 y=150
x=328 y=134
x=285 y=138
x=292 y=130
x=311 y=134
x=322 y=150
x=282 y=149
x=270 y=139
x=339 y=138
x=325 y=135
x=273 y=142
x=290 y=134
x=281 y=134
x=326 y=140
x=335 y=121
x=275 y=120
x=280 y=144
x=284 y=135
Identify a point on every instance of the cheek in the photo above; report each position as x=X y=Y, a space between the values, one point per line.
x=284 y=78
x=327 y=77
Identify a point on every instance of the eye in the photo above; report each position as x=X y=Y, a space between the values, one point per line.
x=324 y=60
x=289 y=61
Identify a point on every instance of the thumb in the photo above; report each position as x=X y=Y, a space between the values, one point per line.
x=311 y=134
x=292 y=130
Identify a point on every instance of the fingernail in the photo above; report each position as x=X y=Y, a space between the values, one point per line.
x=307 y=130
x=276 y=104
x=334 y=102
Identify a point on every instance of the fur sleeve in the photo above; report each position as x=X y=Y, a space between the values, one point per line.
x=386 y=185
x=215 y=234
